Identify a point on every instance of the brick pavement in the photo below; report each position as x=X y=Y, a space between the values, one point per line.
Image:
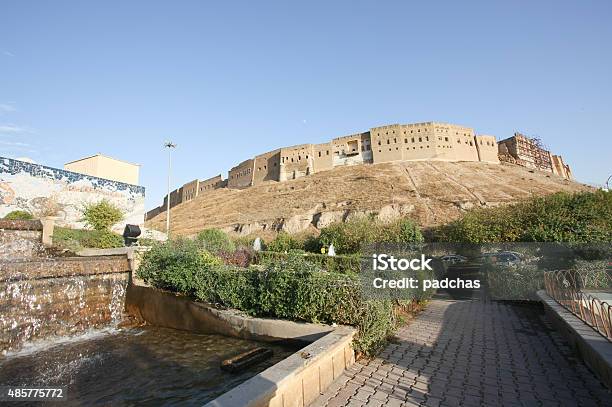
x=471 y=353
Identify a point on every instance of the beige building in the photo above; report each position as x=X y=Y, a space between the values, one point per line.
x=102 y=166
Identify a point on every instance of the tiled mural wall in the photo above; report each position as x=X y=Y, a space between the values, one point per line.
x=39 y=189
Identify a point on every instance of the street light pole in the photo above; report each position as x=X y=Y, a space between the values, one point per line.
x=169 y=145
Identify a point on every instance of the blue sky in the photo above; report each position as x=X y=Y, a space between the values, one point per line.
x=227 y=80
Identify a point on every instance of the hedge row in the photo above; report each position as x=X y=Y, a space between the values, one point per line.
x=291 y=288
x=560 y=217
x=343 y=264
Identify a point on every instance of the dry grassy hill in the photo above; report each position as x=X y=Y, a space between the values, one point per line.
x=430 y=192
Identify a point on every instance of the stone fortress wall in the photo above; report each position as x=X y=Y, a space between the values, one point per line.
x=396 y=142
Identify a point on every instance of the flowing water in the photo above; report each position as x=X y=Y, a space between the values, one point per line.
x=135 y=366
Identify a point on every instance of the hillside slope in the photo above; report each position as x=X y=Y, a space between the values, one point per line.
x=430 y=192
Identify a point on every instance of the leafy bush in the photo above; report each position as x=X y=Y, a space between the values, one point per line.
x=342 y=264
x=102 y=239
x=401 y=231
x=215 y=241
x=242 y=257
x=102 y=215
x=514 y=283
x=172 y=265
x=18 y=215
x=77 y=239
x=348 y=237
x=560 y=217
x=283 y=243
x=291 y=288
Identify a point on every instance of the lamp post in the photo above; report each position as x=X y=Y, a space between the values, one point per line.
x=608 y=183
x=169 y=145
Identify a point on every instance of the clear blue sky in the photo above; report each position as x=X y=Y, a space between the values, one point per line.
x=227 y=80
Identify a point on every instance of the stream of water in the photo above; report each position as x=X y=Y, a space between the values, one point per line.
x=135 y=366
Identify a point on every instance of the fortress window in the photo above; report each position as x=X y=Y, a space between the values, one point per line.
x=291 y=159
x=388 y=141
x=265 y=167
x=378 y=142
x=412 y=139
x=319 y=154
x=327 y=152
x=379 y=151
x=420 y=139
x=471 y=143
x=389 y=149
x=427 y=138
x=445 y=138
x=395 y=140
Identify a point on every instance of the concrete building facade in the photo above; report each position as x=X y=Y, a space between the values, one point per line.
x=395 y=142
x=102 y=166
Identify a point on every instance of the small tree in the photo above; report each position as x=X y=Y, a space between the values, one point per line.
x=102 y=215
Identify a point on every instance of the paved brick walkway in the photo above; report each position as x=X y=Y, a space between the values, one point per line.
x=471 y=353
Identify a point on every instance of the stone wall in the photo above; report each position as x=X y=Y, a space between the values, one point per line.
x=36 y=188
x=20 y=239
x=46 y=298
x=241 y=176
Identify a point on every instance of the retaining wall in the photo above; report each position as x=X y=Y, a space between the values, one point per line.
x=42 y=298
x=295 y=381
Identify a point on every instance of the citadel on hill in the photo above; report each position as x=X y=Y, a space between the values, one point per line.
x=396 y=142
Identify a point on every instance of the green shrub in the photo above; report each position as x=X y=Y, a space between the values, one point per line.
x=215 y=241
x=514 y=282
x=291 y=288
x=102 y=215
x=102 y=239
x=284 y=242
x=342 y=264
x=77 y=239
x=172 y=265
x=401 y=231
x=560 y=217
x=18 y=215
x=348 y=237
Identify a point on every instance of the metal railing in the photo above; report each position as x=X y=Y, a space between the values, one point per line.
x=566 y=287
